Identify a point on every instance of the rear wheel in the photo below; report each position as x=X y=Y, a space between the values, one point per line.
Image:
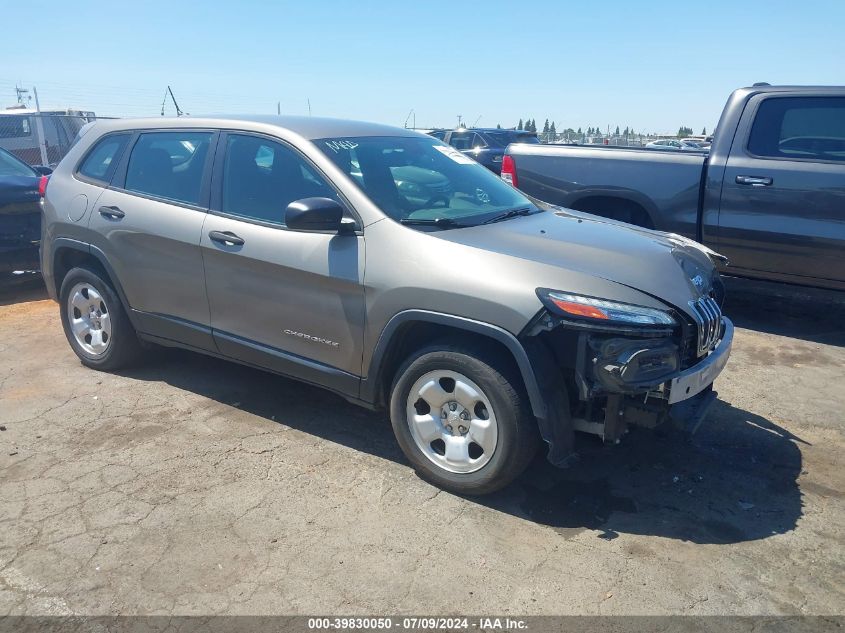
x=461 y=419
x=95 y=323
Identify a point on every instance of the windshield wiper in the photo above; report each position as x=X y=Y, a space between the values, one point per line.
x=446 y=223
x=507 y=215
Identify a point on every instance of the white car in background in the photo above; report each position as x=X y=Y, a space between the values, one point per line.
x=683 y=145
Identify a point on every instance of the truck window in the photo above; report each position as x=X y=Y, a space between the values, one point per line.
x=800 y=128
x=12 y=126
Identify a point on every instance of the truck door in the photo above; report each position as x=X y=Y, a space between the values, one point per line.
x=782 y=210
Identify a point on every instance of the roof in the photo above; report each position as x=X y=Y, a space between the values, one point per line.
x=304 y=126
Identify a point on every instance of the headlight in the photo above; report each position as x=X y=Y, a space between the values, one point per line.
x=579 y=306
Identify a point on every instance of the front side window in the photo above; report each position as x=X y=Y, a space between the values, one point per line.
x=100 y=162
x=262 y=177
x=809 y=128
x=419 y=180
x=169 y=165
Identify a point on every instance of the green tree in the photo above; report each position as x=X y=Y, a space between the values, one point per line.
x=553 y=131
x=684 y=131
x=704 y=131
x=519 y=125
x=498 y=126
x=617 y=131
x=546 y=130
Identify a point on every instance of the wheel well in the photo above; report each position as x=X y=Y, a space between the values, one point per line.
x=66 y=259
x=415 y=335
x=614 y=208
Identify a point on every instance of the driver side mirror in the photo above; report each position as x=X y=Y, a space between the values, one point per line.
x=42 y=170
x=315 y=214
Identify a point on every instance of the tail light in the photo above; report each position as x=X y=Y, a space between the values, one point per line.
x=42 y=185
x=509 y=171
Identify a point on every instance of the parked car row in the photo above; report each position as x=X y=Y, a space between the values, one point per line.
x=485 y=145
x=683 y=145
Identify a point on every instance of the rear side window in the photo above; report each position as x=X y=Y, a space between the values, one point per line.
x=169 y=165
x=262 y=177
x=100 y=162
x=808 y=128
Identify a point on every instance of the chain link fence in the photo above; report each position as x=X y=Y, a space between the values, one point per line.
x=41 y=138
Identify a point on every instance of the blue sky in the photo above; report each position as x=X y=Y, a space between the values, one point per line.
x=652 y=65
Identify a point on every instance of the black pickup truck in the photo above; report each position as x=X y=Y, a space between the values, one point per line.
x=770 y=194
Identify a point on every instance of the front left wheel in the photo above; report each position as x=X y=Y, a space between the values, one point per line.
x=462 y=419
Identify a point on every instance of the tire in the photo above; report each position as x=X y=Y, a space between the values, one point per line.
x=103 y=339
x=484 y=388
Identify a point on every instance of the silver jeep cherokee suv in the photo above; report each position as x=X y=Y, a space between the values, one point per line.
x=387 y=267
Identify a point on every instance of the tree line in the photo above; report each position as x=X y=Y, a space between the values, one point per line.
x=550 y=132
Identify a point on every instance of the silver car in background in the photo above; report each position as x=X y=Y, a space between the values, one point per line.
x=390 y=268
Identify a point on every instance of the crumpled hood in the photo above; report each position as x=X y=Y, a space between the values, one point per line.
x=670 y=268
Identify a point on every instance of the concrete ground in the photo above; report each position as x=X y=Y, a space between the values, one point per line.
x=190 y=485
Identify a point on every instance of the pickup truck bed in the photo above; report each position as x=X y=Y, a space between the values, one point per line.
x=662 y=187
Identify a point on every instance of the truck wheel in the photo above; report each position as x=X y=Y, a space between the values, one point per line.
x=95 y=323
x=462 y=420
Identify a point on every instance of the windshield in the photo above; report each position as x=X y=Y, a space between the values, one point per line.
x=11 y=166
x=503 y=138
x=420 y=180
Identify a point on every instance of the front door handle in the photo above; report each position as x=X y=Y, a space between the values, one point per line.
x=754 y=181
x=111 y=212
x=226 y=237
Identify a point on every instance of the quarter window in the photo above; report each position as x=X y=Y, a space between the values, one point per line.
x=169 y=165
x=809 y=128
x=100 y=162
x=262 y=177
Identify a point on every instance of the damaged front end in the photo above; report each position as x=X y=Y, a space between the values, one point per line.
x=603 y=365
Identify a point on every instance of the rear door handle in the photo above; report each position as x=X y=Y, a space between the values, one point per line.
x=226 y=237
x=111 y=212
x=754 y=181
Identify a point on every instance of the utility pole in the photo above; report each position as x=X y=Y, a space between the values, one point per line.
x=39 y=126
x=460 y=125
x=309 y=106
x=278 y=107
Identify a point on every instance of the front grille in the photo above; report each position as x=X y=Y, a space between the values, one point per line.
x=708 y=321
